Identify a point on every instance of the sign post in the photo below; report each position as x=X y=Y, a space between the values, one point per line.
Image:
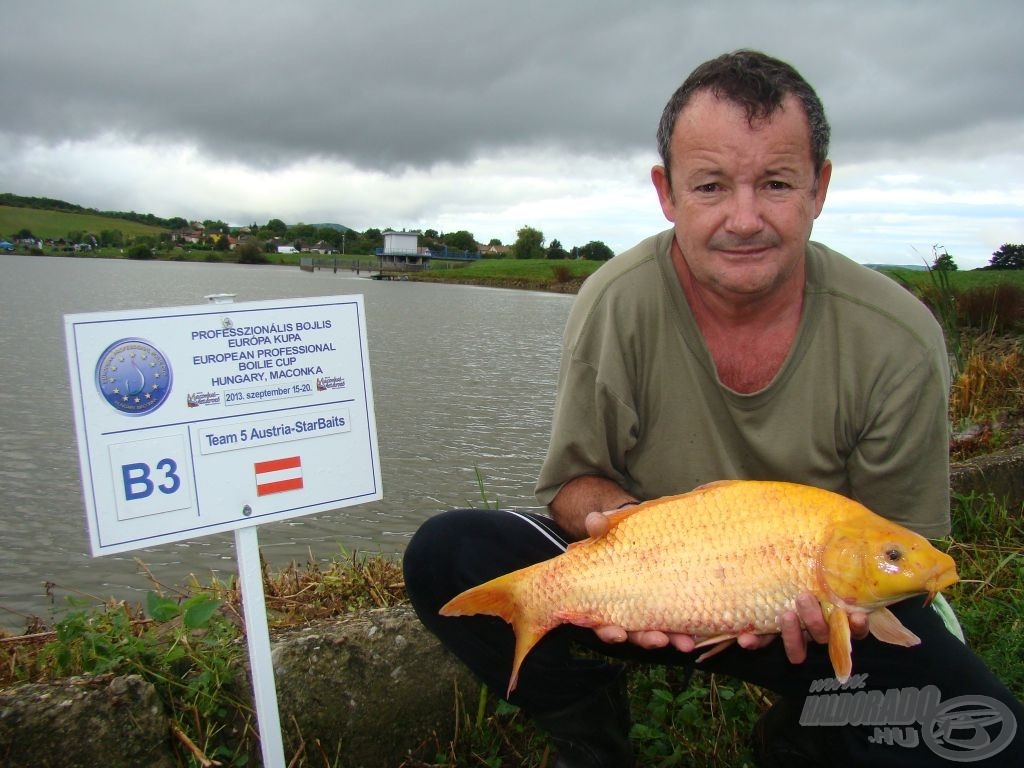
x=257 y=636
x=199 y=420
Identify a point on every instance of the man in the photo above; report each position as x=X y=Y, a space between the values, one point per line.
x=729 y=346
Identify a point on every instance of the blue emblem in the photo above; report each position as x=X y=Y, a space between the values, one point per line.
x=133 y=376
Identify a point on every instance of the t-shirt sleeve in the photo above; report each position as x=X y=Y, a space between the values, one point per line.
x=595 y=421
x=900 y=468
x=592 y=430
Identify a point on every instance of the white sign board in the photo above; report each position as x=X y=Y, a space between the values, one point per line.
x=199 y=420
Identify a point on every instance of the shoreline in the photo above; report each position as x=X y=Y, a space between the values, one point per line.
x=571 y=287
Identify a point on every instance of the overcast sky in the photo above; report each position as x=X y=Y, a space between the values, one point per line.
x=491 y=116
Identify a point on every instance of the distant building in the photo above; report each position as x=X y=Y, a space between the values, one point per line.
x=187 y=235
x=401 y=251
x=322 y=246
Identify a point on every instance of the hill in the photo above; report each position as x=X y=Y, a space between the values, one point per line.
x=55 y=224
x=910 y=267
x=50 y=204
x=338 y=227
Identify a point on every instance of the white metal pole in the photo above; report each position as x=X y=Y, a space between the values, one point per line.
x=250 y=576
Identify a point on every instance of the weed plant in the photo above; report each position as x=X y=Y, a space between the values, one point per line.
x=186 y=649
x=987 y=542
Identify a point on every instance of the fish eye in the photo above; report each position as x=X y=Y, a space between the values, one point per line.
x=894 y=554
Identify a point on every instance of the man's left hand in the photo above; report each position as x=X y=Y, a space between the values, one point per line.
x=807 y=621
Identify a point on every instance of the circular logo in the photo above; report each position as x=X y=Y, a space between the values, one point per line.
x=961 y=729
x=133 y=376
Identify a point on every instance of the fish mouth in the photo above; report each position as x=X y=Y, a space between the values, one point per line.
x=942 y=578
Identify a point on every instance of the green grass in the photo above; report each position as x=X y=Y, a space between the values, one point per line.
x=987 y=543
x=540 y=272
x=959 y=280
x=521 y=272
x=57 y=224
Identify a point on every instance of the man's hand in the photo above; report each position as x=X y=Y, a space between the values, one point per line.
x=583 y=496
x=597 y=524
x=807 y=621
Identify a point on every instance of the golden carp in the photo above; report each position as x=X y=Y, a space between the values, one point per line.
x=727 y=558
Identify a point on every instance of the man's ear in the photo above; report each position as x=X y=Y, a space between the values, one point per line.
x=821 y=188
x=663 y=185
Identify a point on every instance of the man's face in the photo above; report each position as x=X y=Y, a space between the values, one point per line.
x=742 y=199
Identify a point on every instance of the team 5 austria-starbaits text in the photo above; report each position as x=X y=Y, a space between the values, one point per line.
x=257 y=433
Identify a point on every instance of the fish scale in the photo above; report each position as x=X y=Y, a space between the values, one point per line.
x=628 y=582
x=727 y=558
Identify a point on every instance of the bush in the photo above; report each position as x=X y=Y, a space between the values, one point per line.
x=140 y=252
x=250 y=253
x=998 y=308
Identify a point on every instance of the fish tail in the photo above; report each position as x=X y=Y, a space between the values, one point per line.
x=498 y=598
x=493 y=598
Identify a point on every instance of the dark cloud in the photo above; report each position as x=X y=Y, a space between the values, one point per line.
x=386 y=85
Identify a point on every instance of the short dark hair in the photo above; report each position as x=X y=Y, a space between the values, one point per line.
x=758 y=83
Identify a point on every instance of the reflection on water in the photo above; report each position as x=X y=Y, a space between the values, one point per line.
x=463 y=380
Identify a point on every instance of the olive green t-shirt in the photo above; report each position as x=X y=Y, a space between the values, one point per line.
x=859 y=406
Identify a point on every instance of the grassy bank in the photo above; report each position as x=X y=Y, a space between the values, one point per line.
x=545 y=273
x=203 y=255
x=563 y=275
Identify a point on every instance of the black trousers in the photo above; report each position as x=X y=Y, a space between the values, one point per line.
x=460 y=549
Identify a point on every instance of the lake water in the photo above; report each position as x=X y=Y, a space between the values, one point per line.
x=463 y=378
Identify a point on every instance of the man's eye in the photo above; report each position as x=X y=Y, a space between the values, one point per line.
x=708 y=188
x=777 y=186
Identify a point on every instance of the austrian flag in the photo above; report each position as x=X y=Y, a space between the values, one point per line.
x=278 y=475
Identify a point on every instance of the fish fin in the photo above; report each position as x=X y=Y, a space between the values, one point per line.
x=717 y=649
x=715 y=484
x=497 y=598
x=884 y=625
x=578 y=618
x=704 y=642
x=527 y=636
x=839 y=647
x=616 y=517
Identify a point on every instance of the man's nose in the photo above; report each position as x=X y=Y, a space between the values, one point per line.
x=745 y=215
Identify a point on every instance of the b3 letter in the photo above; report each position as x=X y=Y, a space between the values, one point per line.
x=136 y=476
x=150 y=477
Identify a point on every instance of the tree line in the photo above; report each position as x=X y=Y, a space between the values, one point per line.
x=530 y=242
x=1007 y=256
